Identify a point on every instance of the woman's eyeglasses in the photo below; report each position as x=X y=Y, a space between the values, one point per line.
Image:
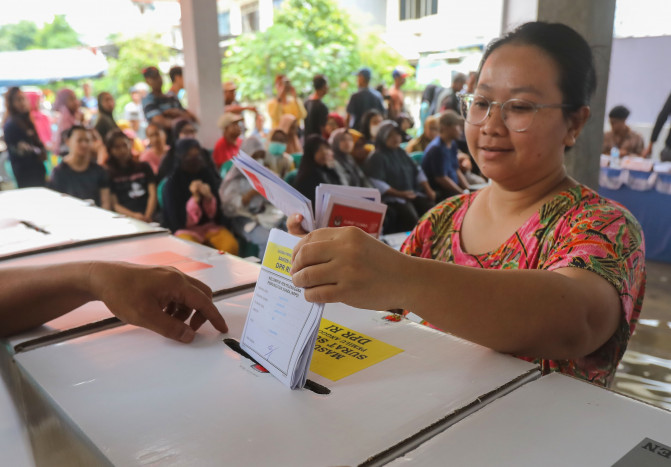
x=517 y=114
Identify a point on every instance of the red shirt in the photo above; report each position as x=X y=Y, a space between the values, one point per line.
x=224 y=151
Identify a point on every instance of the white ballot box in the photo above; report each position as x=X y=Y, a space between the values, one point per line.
x=37 y=219
x=223 y=273
x=142 y=399
x=556 y=420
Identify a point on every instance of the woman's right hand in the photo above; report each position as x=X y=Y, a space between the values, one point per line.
x=408 y=194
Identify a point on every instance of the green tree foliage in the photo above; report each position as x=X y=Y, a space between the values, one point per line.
x=17 y=36
x=308 y=37
x=126 y=70
x=322 y=22
x=56 y=35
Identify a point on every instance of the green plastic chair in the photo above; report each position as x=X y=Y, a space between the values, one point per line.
x=417 y=156
x=9 y=171
x=291 y=177
x=225 y=167
x=297 y=159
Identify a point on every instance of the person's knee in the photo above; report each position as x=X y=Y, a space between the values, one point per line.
x=223 y=240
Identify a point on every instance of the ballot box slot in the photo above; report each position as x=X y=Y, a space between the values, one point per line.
x=409 y=444
x=309 y=384
x=79 y=243
x=233 y=290
x=62 y=336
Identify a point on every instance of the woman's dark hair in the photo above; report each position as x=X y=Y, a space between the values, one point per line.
x=569 y=50
x=111 y=137
x=365 y=122
x=177 y=127
x=10 y=97
x=308 y=164
x=183 y=147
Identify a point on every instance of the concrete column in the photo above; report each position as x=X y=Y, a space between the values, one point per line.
x=235 y=18
x=594 y=21
x=202 y=66
x=266 y=14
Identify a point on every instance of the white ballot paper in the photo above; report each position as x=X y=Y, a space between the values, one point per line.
x=281 y=327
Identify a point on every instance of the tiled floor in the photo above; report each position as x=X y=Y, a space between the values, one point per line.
x=645 y=370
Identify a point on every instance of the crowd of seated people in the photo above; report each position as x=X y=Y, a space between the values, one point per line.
x=145 y=167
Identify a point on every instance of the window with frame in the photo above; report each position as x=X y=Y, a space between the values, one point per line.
x=414 y=9
x=250 y=17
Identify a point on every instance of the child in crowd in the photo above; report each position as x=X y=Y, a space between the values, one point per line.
x=157 y=149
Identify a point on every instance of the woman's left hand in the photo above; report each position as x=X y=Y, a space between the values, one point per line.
x=205 y=190
x=347 y=265
x=431 y=194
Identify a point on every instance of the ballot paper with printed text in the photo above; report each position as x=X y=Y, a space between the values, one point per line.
x=281 y=327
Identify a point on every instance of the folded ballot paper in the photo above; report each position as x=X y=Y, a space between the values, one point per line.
x=336 y=206
x=281 y=327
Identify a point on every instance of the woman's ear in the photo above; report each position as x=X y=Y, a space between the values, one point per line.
x=576 y=122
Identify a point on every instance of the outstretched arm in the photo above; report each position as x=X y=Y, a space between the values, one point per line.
x=157 y=298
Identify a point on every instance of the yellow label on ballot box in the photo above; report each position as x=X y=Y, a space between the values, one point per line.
x=278 y=258
x=340 y=352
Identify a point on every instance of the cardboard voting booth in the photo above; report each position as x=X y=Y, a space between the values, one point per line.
x=38 y=219
x=554 y=421
x=223 y=273
x=140 y=398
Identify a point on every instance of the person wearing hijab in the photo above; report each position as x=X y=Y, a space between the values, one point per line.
x=404 y=187
x=105 y=122
x=317 y=166
x=333 y=122
x=342 y=144
x=370 y=124
x=277 y=158
x=289 y=125
x=191 y=206
x=67 y=105
x=182 y=128
x=251 y=215
x=26 y=151
x=40 y=120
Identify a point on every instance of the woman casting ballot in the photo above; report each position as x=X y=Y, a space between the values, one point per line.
x=535 y=264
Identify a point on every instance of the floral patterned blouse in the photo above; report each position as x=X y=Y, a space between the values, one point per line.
x=577 y=228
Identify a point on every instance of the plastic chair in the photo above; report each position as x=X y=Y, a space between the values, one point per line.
x=291 y=177
x=225 y=167
x=417 y=156
x=297 y=159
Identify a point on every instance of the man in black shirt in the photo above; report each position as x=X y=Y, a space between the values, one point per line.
x=160 y=108
x=363 y=100
x=317 y=110
x=663 y=116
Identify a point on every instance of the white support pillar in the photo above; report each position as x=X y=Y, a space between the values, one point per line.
x=517 y=12
x=235 y=18
x=202 y=66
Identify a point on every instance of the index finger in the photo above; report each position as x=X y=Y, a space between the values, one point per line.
x=314 y=236
x=193 y=297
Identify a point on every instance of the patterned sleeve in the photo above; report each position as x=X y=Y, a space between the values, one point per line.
x=602 y=237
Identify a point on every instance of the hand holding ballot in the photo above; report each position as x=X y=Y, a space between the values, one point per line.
x=335 y=205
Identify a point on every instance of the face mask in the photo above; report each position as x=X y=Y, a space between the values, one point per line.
x=276 y=149
x=373 y=130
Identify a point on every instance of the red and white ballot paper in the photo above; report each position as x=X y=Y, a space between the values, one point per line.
x=336 y=206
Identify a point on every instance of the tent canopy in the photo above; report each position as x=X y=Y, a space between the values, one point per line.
x=33 y=67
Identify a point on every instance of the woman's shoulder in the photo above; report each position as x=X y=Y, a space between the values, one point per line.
x=584 y=203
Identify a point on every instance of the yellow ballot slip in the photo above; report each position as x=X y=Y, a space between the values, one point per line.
x=340 y=352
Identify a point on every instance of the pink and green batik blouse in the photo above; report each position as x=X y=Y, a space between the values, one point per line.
x=578 y=229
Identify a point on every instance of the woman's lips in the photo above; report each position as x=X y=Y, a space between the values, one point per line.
x=493 y=151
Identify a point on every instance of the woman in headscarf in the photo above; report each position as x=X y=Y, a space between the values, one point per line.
x=191 y=206
x=182 y=128
x=251 y=215
x=403 y=185
x=105 y=122
x=317 y=166
x=289 y=125
x=342 y=143
x=333 y=122
x=26 y=151
x=40 y=120
x=67 y=105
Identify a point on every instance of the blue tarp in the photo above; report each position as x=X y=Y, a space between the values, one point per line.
x=33 y=67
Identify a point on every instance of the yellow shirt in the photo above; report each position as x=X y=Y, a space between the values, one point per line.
x=292 y=106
